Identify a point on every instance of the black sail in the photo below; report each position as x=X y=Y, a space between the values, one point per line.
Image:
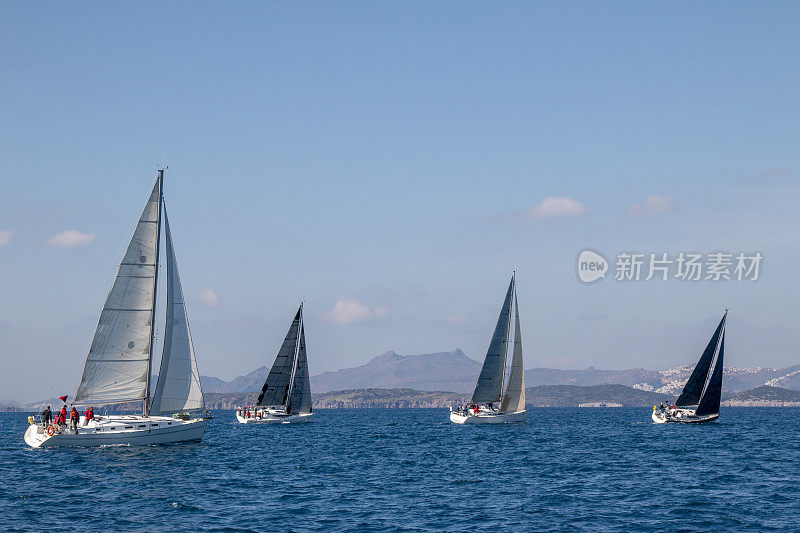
x=709 y=403
x=490 y=381
x=300 y=395
x=694 y=387
x=276 y=386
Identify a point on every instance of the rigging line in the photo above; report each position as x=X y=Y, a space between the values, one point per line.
x=508 y=333
x=294 y=364
x=159 y=206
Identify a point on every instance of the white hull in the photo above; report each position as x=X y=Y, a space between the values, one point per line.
x=120 y=430
x=488 y=417
x=275 y=418
x=681 y=416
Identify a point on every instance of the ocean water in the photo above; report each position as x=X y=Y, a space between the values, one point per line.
x=411 y=470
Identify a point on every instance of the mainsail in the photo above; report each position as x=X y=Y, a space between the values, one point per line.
x=117 y=368
x=697 y=381
x=178 y=387
x=300 y=392
x=514 y=397
x=276 y=387
x=709 y=403
x=490 y=382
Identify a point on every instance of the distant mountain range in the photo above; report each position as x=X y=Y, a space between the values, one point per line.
x=539 y=396
x=456 y=372
x=437 y=378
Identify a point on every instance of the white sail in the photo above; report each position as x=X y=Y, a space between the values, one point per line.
x=178 y=387
x=118 y=364
x=300 y=396
x=490 y=382
x=514 y=398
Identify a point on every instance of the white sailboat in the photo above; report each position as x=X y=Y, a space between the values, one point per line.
x=118 y=366
x=483 y=408
x=286 y=395
x=700 y=399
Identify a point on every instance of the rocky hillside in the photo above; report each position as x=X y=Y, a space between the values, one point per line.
x=765 y=396
x=576 y=396
x=387 y=398
x=444 y=371
x=253 y=381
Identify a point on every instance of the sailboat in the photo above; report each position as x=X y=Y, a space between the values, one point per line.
x=700 y=398
x=286 y=395
x=118 y=366
x=483 y=408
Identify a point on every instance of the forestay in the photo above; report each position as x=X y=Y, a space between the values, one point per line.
x=490 y=382
x=178 y=387
x=117 y=365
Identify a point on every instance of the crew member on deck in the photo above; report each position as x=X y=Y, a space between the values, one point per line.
x=74 y=417
x=47 y=416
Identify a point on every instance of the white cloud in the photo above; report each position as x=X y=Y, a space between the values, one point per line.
x=71 y=239
x=209 y=298
x=652 y=205
x=555 y=206
x=5 y=237
x=459 y=318
x=348 y=310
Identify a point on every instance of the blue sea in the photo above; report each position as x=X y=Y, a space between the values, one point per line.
x=412 y=470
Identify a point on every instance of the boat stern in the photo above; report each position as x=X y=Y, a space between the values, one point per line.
x=35 y=436
x=458 y=418
x=658 y=417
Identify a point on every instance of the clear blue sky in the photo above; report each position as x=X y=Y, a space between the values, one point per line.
x=375 y=154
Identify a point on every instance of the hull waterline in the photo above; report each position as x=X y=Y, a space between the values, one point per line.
x=488 y=417
x=682 y=416
x=302 y=418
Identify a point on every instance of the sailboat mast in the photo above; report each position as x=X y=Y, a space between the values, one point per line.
x=155 y=291
x=294 y=363
x=508 y=334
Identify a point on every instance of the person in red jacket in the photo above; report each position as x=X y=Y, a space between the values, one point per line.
x=74 y=417
x=64 y=414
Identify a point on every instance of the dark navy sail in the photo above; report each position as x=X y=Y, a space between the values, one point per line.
x=694 y=387
x=300 y=395
x=490 y=381
x=276 y=387
x=709 y=403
